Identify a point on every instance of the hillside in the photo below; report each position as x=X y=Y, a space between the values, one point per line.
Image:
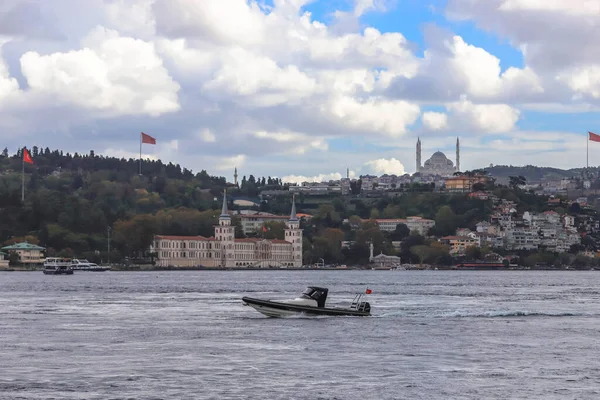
x=73 y=201
x=535 y=174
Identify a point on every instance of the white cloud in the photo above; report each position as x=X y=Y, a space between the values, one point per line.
x=385 y=166
x=229 y=163
x=577 y=7
x=236 y=82
x=316 y=178
x=483 y=118
x=118 y=75
x=222 y=21
x=373 y=115
x=434 y=121
x=8 y=85
x=243 y=73
x=207 y=136
x=557 y=39
x=583 y=80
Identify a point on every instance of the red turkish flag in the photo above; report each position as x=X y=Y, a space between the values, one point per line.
x=26 y=156
x=594 y=137
x=368 y=291
x=148 y=139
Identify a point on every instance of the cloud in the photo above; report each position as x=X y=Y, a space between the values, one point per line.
x=434 y=121
x=113 y=74
x=272 y=90
x=207 y=136
x=385 y=166
x=298 y=179
x=555 y=37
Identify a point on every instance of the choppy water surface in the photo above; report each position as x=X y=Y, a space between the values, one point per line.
x=186 y=335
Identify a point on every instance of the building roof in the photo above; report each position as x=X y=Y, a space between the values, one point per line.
x=293 y=216
x=224 y=212
x=454 y=237
x=23 y=246
x=175 y=237
x=385 y=257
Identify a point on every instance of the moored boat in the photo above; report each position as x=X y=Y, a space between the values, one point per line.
x=57 y=266
x=85 y=265
x=311 y=302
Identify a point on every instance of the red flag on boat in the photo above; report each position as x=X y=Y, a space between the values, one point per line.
x=26 y=156
x=594 y=137
x=368 y=291
x=148 y=139
x=264 y=228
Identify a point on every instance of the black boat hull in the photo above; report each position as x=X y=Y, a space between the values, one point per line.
x=277 y=309
x=68 y=272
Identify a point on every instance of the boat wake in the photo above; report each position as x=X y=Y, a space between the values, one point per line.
x=483 y=314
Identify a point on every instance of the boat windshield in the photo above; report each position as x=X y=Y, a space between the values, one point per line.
x=312 y=293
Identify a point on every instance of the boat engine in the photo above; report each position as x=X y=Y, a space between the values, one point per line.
x=364 y=306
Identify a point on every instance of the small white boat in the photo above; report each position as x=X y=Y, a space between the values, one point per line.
x=85 y=265
x=312 y=302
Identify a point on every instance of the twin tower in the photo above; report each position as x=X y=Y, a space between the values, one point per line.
x=286 y=252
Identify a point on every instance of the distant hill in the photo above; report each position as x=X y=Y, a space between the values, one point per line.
x=535 y=174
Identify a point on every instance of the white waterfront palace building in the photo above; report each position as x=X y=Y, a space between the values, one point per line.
x=223 y=250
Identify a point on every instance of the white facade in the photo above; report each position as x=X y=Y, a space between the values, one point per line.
x=223 y=250
x=421 y=225
x=521 y=239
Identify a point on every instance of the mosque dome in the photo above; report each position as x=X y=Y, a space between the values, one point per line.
x=438 y=161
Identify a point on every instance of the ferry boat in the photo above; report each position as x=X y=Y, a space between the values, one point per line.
x=57 y=266
x=312 y=302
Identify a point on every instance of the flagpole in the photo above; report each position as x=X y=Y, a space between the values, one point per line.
x=22 y=176
x=587 y=152
x=140 y=153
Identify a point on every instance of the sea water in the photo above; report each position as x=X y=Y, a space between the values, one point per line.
x=187 y=335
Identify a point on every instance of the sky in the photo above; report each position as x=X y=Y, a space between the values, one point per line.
x=304 y=89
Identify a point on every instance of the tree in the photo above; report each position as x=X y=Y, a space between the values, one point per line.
x=446 y=222
x=13 y=258
x=136 y=234
x=400 y=232
x=473 y=253
x=516 y=181
x=356 y=187
x=422 y=252
x=275 y=230
x=238 y=228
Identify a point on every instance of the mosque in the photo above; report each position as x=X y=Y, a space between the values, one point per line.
x=438 y=164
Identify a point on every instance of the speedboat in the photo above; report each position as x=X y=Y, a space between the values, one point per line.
x=311 y=301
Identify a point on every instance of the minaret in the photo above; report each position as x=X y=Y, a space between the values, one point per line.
x=418 y=155
x=457 y=155
x=235 y=175
x=347 y=173
x=224 y=233
x=293 y=234
x=371 y=251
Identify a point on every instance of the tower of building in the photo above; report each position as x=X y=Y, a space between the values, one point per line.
x=235 y=176
x=293 y=234
x=225 y=235
x=457 y=155
x=418 y=154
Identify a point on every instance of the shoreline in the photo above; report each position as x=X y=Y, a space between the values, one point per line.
x=151 y=269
